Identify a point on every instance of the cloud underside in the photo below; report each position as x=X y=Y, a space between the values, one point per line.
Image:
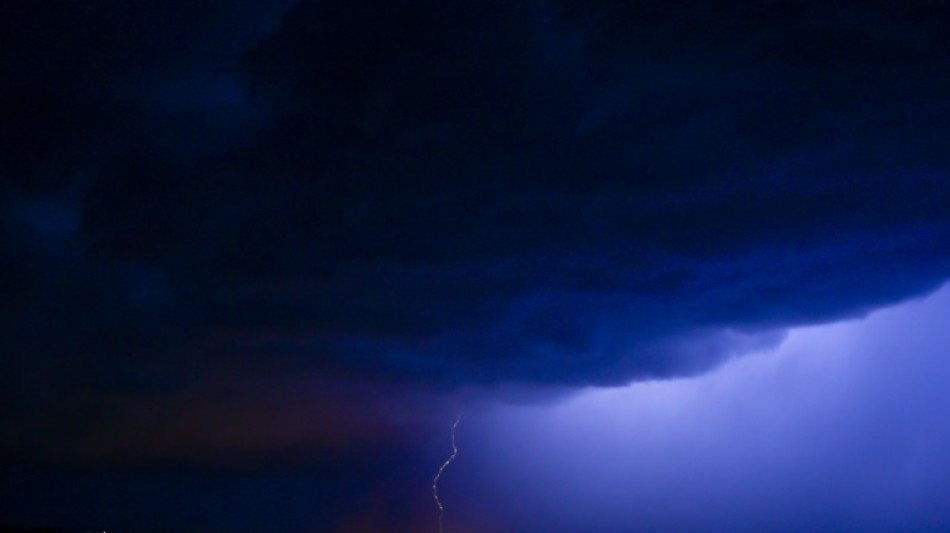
x=446 y=194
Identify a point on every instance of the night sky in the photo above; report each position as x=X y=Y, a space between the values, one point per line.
x=676 y=266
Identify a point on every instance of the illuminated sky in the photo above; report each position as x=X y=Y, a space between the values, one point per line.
x=666 y=258
x=841 y=427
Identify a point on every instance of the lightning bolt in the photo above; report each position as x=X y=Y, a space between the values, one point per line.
x=435 y=480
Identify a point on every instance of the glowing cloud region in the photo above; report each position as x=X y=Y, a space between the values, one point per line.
x=842 y=427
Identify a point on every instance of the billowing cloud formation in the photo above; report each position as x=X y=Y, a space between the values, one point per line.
x=454 y=193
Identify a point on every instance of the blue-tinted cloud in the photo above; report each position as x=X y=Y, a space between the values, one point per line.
x=447 y=195
x=839 y=428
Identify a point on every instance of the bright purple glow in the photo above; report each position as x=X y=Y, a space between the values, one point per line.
x=841 y=426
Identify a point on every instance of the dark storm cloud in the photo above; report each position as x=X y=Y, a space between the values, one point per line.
x=515 y=191
x=450 y=193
